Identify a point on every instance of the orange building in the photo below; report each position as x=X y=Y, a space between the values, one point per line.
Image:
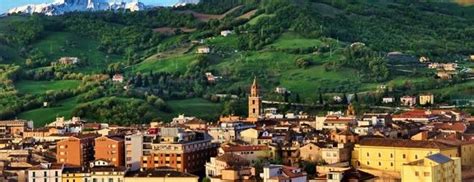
x=110 y=149
x=40 y=132
x=76 y=150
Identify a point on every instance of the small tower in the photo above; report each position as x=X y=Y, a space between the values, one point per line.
x=350 y=110
x=254 y=102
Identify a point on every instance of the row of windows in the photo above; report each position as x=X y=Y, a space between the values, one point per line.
x=426 y=174
x=46 y=180
x=45 y=173
x=380 y=163
x=404 y=156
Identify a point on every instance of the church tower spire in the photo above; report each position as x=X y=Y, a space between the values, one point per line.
x=255 y=102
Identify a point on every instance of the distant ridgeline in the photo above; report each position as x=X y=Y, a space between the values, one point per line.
x=63 y=6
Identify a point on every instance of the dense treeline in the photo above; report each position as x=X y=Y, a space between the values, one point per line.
x=401 y=26
x=216 y=6
x=116 y=110
x=372 y=68
x=282 y=15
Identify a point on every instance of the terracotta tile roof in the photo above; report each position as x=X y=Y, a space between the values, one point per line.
x=108 y=169
x=160 y=172
x=459 y=127
x=332 y=119
x=238 y=148
x=49 y=166
x=385 y=142
x=233 y=160
x=289 y=172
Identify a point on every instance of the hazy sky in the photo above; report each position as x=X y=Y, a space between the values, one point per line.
x=5 y=5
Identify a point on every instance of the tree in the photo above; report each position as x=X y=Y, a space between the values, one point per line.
x=356 y=97
x=344 y=99
x=321 y=100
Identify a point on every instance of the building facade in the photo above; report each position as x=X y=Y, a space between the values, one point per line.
x=133 y=151
x=110 y=149
x=76 y=150
x=45 y=172
x=390 y=154
x=432 y=168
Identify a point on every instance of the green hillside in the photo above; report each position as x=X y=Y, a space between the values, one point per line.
x=306 y=46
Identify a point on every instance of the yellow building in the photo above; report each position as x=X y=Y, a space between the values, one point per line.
x=381 y=154
x=160 y=174
x=75 y=174
x=104 y=171
x=426 y=99
x=465 y=148
x=433 y=168
x=250 y=135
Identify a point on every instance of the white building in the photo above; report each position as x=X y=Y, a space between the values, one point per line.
x=228 y=131
x=215 y=166
x=281 y=90
x=117 y=78
x=203 y=50
x=45 y=172
x=226 y=33
x=277 y=173
x=363 y=130
x=181 y=119
x=387 y=100
x=133 y=151
x=335 y=154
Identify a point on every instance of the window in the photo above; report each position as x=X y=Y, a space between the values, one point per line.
x=368 y=154
x=253 y=102
x=380 y=164
x=56 y=173
x=426 y=174
x=380 y=155
x=391 y=155
x=416 y=156
x=111 y=180
x=416 y=173
x=391 y=164
x=45 y=174
x=404 y=156
x=34 y=174
x=45 y=179
x=368 y=163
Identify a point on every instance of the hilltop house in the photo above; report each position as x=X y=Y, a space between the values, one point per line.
x=387 y=100
x=426 y=99
x=68 y=60
x=117 y=78
x=203 y=50
x=408 y=100
x=226 y=33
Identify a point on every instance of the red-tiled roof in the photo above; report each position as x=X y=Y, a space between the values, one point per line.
x=244 y=148
x=385 y=142
x=459 y=127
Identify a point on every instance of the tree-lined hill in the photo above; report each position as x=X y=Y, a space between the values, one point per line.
x=315 y=48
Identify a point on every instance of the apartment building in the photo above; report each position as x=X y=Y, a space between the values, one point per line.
x=184 y=151
x=110 y=148
x=76 y=150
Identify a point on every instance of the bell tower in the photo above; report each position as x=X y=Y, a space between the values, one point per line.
x=254 y=102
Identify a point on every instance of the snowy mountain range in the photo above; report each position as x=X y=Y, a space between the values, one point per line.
x=60 y=7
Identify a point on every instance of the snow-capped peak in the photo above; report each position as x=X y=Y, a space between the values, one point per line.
x=60 y=7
